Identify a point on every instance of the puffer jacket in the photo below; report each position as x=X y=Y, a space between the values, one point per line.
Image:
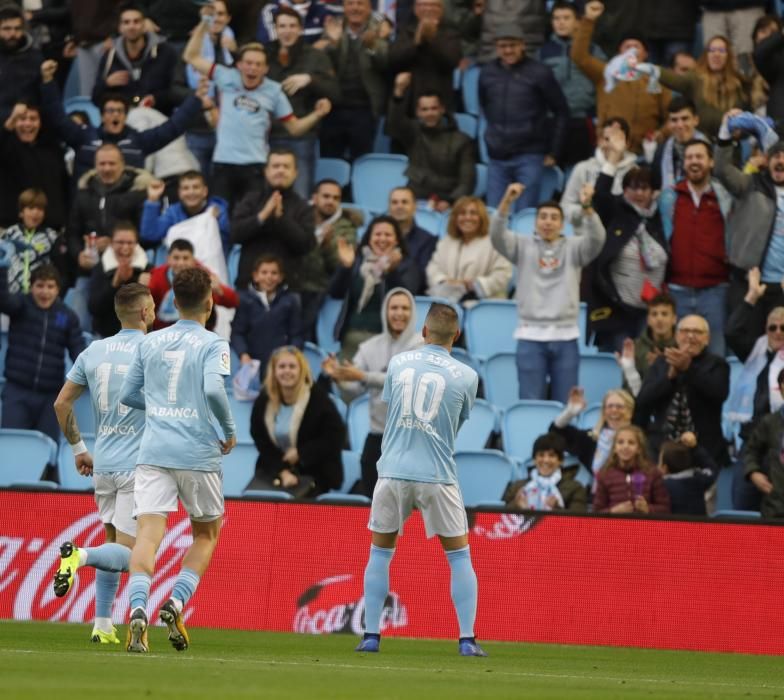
x=441 y=160
x=762 y=453
x=516 y=101
x=614 y=486
x=37 y=339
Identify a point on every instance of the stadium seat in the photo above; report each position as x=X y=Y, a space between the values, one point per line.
x=26 y=454
x=429 y=219
x=422 y=306
x=489 y=328
x=241 y=410
x=589 y=417
x=552 y=182
x=82 y=103
x=239 y=468
x=467 y=123
x=598 y=374
x=358 y=422
x=463 y=356
x=382 y=143
x=352 y=470
x=483 y=475
x=480 y=188
x=476 y=431
x=523 y=422
x=374 y=175
x=340 y=405
x=499 y=375
x=748 y=514
x=70 y=479
x=268 y=494
x=325 y=324
x=584 y=342
x=315 y=356
x=724 y=489
x=484 y=156
x=471 y=90
x=333 y=169
x=233 y=263
x=343 y=499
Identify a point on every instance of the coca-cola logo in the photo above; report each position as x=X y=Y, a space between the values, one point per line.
x=336 y=605
x=34 y=597
x=504 y=526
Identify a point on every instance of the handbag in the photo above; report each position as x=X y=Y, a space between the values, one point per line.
x=304 y=488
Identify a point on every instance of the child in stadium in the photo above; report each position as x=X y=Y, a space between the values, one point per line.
x=550 y=486
x=688 y=472
x=628 y=482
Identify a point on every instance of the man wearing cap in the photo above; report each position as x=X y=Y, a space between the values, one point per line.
x=517 y=95
x=755 y=227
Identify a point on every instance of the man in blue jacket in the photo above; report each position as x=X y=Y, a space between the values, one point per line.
x=516 y=94
x=41 y=329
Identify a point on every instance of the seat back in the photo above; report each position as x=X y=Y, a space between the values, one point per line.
x=333 y=169
x=352 y=470
x=239 y=467
x=499 y=374
x=315 y=356
x=429 y=219
x=480 y=186
x=467 y=123
x=483 y=475
x=598 y=374
x=476 y=431
x=241 y=410
x=233 y=263
x=422 y=306
x=358 y=422
x=374 y=175
x=551 y=183
x=325 y=324
x=471 y=90
x=523 y=422
x=25 y=455
x=490 y=326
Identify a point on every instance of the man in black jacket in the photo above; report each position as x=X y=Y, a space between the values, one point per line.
x=19 y=61
x=41 y=329
x=684 y=390
x=274 y=220
x=516 y=94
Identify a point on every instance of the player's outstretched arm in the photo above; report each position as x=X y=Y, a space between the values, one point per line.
x=131 y=393
x=63 y=408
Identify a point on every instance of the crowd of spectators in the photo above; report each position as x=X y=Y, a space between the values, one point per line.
x=196 y=140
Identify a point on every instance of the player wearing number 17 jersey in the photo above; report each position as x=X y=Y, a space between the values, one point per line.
x=430 y=395
x=181 y=371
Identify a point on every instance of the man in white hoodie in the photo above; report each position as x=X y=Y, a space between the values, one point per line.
x=368 y=371
x=586 y=172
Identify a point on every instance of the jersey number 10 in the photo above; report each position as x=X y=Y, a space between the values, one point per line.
x=414 y=398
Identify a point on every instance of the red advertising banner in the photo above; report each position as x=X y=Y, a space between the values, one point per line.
x=295 y=567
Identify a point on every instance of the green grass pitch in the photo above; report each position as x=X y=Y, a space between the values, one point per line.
x=40 y=660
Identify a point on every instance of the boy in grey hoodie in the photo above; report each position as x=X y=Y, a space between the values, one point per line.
x=549 y=267
x=369 y=370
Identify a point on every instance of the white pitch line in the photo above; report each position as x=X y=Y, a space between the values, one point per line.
x=413 y=669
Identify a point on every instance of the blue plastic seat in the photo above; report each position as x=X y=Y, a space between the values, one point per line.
x=333 y=169
x=358 y=422
x=467 y=123
x=343 y=499
x=480 y=187
x=471 y=90
x=499 y=375
x=325 y=324
x=598 y=374
x=82 y=103
x=381 y=142
x=268 y=494
x=590 y=416
x=374 y=175
x=233 y=263
x=69 y=478
x=483 y=475
x=239 y=468
x=749 y=514
x=429 y=219
x=315 y=356
x=584 y=342
x=489 y=328
x=25 y=455
x=3 y=352
x=484 y=156
x=422 y=306
x=523 y=221
x=552 y=181
x=241 y=410
x=476 y=431
x=523 y=422
x=352 y=470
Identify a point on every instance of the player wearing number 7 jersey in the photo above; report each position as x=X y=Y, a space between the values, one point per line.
x=181 y=371
x=430 y=395
x=101 y=369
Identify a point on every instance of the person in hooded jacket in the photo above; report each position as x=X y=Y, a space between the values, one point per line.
x=441 y=158
x=367 y=371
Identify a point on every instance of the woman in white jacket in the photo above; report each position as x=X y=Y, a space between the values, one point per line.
x=465 y=266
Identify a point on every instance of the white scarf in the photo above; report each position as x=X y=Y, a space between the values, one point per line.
x=539 y=488
x=296 y=417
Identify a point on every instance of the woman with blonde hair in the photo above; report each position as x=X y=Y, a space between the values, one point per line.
x=593 y=447
x=297 y=429
x=465 y=267
x=715 y=85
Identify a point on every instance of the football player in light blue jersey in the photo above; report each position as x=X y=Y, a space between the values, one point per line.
x=101 y=369
x=181 y=371
x=430 y=395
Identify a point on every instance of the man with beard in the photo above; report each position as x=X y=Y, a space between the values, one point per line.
x=755 y=229
x=19 y=61
x=693 y=214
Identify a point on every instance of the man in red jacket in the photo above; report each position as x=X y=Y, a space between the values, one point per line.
x=699 y=270
x=180 y=258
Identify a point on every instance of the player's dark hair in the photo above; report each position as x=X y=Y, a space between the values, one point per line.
x=32 y=198
x=191 y=175
x=46 y=272
x=699 y=142
x=191 y=288
x=663 y=299
x=181 y=244
x=549 y=442
x=620 y=122
x=124 y=225
x=442 y=323
x=676 y=456
x=11 y=11
x=284 y=11
x=550 y=204
x=130 y=297
x=268 y=258
x=679 y=103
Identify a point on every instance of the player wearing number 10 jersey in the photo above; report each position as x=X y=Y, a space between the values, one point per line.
x=430 y=395
x=181 y=370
